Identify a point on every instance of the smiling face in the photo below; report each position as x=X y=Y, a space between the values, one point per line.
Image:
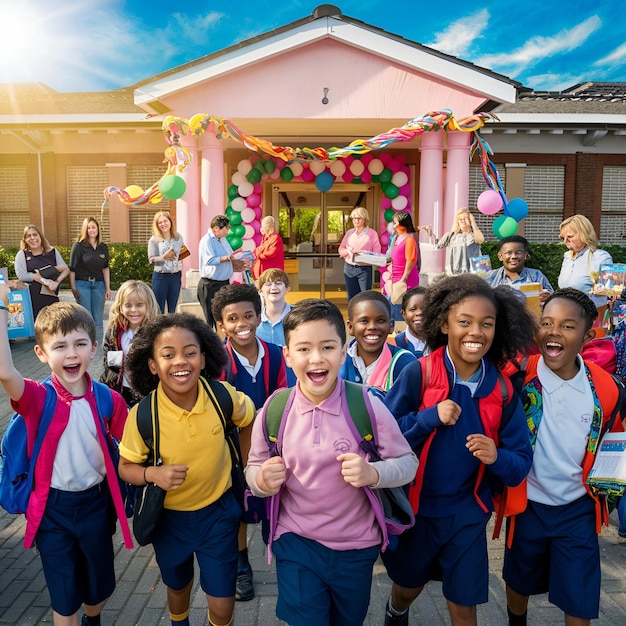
x=562 y=332
x=413 y=314
x=68 y=357
x=164 y=225
x=274 y=291
x=513 y=256
x=92 y=230
x=315 y=353
x=178 y=361
x=470 y=327
x=33 y=240
x=239 y=323
x=134 y=310
x=370 y=326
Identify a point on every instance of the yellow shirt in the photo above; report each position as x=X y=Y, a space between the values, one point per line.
x=194 y=438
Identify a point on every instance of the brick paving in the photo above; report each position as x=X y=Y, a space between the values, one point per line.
x=140 y=596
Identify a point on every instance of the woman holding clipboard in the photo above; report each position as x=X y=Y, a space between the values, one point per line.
x=40 y=266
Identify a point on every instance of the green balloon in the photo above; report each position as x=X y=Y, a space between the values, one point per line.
x=286 y=174
x=375 y=178
x=389 y=213
x=504 y=226
x=238 y=230
x=260 y=166
x=232 y=192
x=270 y=166
x=172 y=187
x=390 y=190
x=254 y=175
x=235 y=242
x=234 y=217
x=385 y=176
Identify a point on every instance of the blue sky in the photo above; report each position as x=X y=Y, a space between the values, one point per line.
x=93 y=45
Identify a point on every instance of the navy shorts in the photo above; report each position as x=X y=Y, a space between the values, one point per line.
x=318 y=585
x=555 y=549
x=209 y=533
x=76 y=548
x=451 y=549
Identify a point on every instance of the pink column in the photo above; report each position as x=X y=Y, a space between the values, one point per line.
x=187 y=207
x=212 y=192
x=457 y=175
x=431 y=181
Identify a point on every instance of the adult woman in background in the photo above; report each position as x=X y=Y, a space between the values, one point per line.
x=37 y=253
x=361 y=238
x=582 y=261
x=163 y=250
x=270 y=253
x=461 y=243
x=90 y=278
x=405 y=263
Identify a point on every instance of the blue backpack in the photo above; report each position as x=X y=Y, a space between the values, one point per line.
x=16 y=468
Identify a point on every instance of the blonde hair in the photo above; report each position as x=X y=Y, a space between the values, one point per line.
x=359 y=211
x=583 y=228
x=45 y=244
x=156 y=231
x=116 y=316
x=83 y=236
x=460 y=212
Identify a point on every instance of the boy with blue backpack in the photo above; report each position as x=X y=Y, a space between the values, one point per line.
x=324 y=530
x=69 y=512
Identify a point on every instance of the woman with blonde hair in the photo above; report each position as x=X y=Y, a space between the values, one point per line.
x=90 y=278
x=461 y=243
x=163 y=250
x=36 y=254
x=361 y=238
x=582 y=261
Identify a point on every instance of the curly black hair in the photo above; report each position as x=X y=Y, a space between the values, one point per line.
x=142 y=380
x=364 y=296
x=588 y=308
x=232 y=294
x=515 y=323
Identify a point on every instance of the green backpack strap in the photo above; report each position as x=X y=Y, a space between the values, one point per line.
x=358 y=409
x=274 y=414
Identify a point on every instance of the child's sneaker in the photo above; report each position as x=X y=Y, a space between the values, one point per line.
x=392 y=618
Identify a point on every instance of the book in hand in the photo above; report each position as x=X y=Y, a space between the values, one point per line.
x=50 y=272
x=608 y=473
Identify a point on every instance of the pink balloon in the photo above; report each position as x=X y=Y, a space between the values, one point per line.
x=258 y=211
x=394 y=166
x=275 y=175
x=366 y=176
x=265 y=176
x=257 y=239
x=348 y=176
x=256 y=225
x=385 y=203
x=253 y=200
x=405 y=190
x=279 y=163
x=366 y=158
x=384 y=239
x=257 y=188
x=307 y=175
x=489 y=202
x=385 y=157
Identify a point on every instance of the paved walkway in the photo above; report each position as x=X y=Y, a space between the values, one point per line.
x=140 y=596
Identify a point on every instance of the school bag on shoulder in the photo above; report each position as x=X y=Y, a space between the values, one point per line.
x=390 y=504
x=223 y=404
x=17 y=466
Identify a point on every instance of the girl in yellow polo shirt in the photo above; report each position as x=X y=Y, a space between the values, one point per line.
x=200 y=515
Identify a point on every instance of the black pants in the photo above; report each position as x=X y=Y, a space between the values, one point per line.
x=207 y=288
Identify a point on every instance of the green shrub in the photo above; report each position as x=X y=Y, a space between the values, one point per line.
x=127 y=260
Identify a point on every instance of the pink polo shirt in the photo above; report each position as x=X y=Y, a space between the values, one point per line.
x=366 y=241
x=315 y=501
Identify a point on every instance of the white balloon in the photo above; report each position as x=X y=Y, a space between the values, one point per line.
x=249 y=232
x=238 y=204
x=357 y=168
x=317 y=167
x=244 y=166
x=375 y=167
x=338 y=168
x=399 y=203
x=245 y=189
x=238 y=178
x=296 y=167
x=248 y=244
x=248 y=215
x=399 y=179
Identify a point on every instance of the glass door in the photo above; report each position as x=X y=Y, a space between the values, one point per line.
x=312 y=225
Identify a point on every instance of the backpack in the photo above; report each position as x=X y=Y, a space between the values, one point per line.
x=17 y=465
x=391 y=505
x=608 y=352
x=223 y=404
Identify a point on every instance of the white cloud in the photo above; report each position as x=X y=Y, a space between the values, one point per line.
x=458 y=38
x=617 y=57
x=551 y=82
x=539 y=48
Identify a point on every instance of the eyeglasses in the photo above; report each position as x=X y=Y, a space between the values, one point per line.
x=356 y=217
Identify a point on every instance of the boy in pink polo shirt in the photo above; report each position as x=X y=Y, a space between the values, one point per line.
x=326 y=538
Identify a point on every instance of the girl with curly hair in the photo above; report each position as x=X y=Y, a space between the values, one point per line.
x=201 y=515
x=462 y=416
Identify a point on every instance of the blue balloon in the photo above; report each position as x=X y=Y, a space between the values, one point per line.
x=324 y=181
x=517 y=209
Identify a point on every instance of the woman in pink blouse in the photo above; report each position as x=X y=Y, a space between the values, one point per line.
x=361 y=238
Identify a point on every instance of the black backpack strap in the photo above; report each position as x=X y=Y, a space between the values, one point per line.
x=147 y=426
x=220 y=395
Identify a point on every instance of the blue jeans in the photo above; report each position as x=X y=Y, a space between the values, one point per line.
x=358 y=278
x=91 y=296
x=166 y=288
x=621 y=512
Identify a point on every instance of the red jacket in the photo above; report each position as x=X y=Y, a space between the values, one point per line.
x=269 y=254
